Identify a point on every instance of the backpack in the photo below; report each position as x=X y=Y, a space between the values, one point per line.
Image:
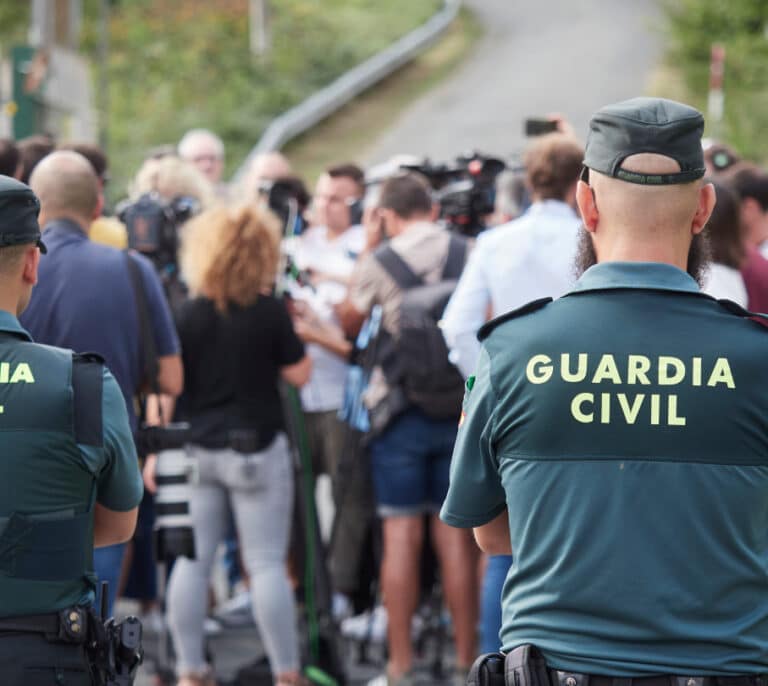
x=421 y=366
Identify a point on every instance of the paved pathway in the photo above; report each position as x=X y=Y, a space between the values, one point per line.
x=536 y=57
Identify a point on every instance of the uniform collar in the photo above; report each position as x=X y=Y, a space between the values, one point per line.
x=65 y=227
x=655 y=276
x=9 y=324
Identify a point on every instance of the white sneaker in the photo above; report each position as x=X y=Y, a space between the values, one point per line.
x=370 y=626
x=341 y=606
x=235 y=611
x=212 y=627
x=152 y=622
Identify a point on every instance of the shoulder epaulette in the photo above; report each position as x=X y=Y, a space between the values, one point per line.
x=739 y=311
x=486 y=329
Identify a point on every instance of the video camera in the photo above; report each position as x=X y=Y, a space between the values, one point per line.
x=465 y=190
x=288 y=199
x=153 y=226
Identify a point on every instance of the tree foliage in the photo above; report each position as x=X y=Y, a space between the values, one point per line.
x=742 y=27
x=174 y=66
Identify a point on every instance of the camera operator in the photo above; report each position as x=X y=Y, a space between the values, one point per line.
x=528 y=258
x=86 y=299
x=327 y=253
x=265 y=167
x=238 y=343
x=67 y=486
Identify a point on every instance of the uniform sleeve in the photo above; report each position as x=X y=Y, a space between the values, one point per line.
x=290 y=348
x=119 y=484
x=466 y=312
x=475 y=494
x=365 y=284
x=163 y=329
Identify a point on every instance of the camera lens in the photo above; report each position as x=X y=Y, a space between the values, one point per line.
x=174 y=534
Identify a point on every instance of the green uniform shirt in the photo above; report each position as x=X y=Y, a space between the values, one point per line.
x=46 y=475
x=625 y=428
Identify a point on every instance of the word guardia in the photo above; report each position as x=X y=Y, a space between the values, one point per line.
x=18 y=373
x=632 y=370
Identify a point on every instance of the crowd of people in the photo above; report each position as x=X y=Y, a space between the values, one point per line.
x=264 y=306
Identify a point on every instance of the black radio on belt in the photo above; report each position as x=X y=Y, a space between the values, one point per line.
x=114 y=648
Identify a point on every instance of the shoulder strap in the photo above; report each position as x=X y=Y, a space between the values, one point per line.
x=87 y=386
x=148 y=347
x=488 y=327
x=397 y=268
x=454 y=262
x=738 y=310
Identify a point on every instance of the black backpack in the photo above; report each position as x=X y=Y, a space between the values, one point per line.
x=421 y=367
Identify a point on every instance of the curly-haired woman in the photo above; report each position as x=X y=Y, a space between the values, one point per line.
x=238 y=343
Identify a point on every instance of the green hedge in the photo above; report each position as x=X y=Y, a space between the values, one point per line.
x=742 y=26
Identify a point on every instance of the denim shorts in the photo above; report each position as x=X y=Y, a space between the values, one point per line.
x=410 y=462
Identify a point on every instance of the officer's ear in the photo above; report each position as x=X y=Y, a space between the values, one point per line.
x=585 y=199
x=706 y=203
x=31 y=264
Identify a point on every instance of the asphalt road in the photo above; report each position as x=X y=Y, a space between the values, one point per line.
x=536 y=57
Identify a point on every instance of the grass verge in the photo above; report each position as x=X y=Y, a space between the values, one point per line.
x=349 y=133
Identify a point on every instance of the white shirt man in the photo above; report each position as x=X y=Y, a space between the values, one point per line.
x=328 y=252
x=529 y=258
x=331 y=258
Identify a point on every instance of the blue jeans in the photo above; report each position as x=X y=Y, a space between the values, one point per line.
x=108 y=562
x=490 y=602
x=410 y=462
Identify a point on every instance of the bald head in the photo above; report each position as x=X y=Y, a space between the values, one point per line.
x=644 y=223
x=268 y=166
x=67 y=187
x=646 y=209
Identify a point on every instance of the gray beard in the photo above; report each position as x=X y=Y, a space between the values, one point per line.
x=699 y=255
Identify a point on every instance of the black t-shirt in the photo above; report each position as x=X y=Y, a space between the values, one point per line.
x=232 y=363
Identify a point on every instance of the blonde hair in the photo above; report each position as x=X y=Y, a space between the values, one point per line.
x=172 y=177
x=230 y=255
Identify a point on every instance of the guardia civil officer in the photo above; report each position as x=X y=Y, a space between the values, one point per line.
x=617 y=438
x=69 y=477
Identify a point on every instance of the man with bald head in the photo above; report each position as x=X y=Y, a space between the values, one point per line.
x=617 y=438
x=86 y=301
x=265 y=167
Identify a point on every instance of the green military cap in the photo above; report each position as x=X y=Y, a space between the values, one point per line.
x=19 y=208
x=646 y=125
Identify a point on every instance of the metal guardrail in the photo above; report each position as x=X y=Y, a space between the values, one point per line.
x=350 y=84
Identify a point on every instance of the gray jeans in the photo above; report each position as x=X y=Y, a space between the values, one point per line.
x=259 y=489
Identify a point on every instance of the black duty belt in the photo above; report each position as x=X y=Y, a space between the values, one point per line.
x=525 y=666
x=69 y=625
x=560 y=678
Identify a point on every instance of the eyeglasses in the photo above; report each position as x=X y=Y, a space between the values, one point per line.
x=205 y=158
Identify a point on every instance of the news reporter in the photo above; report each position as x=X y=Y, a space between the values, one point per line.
x=238 y=343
